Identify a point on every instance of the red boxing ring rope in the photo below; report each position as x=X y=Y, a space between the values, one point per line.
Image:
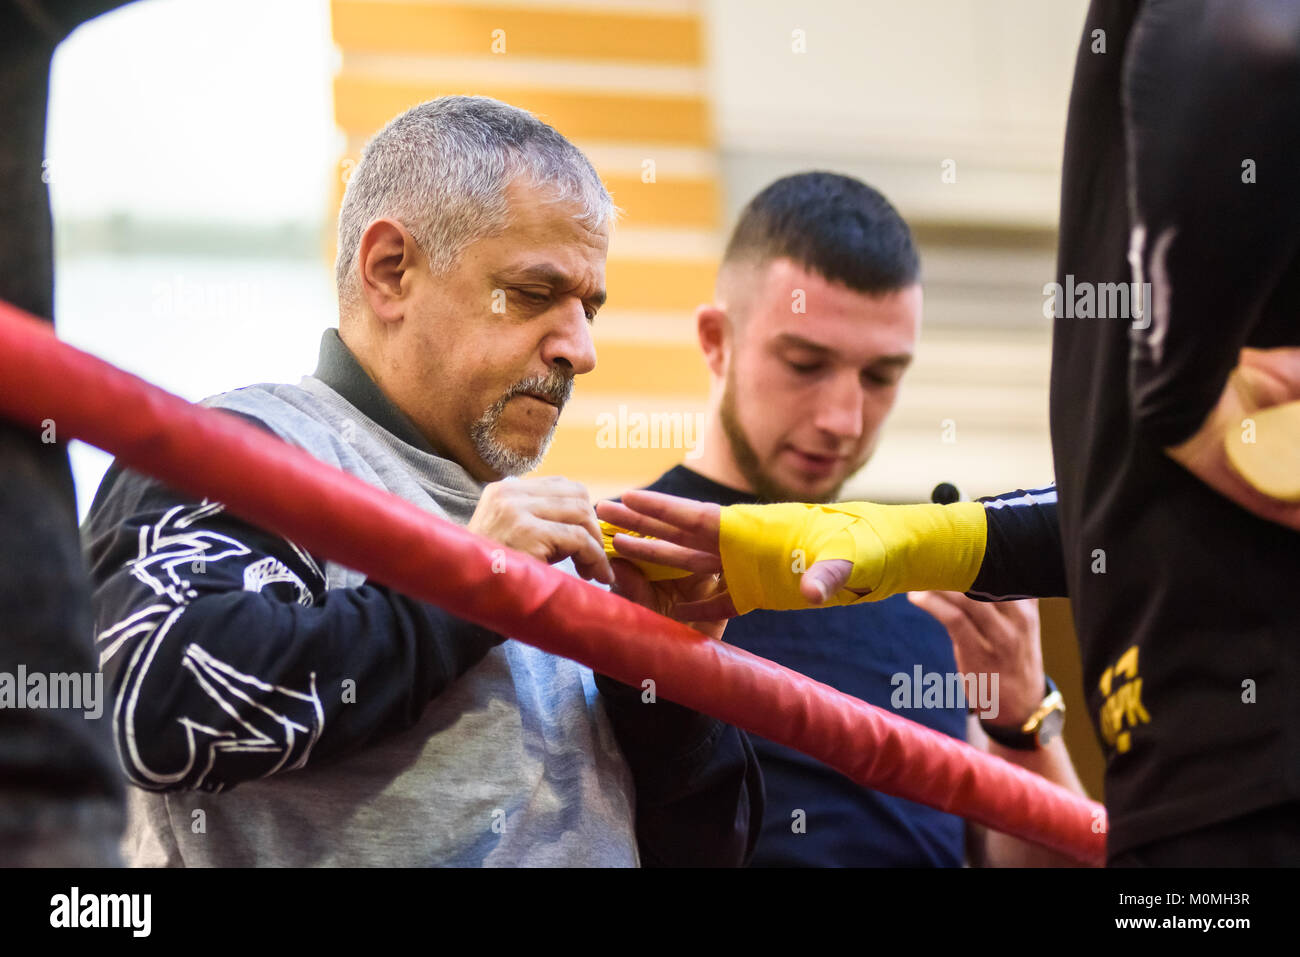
x=284 y=489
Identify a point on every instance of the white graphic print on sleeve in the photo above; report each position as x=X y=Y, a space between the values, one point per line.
x=243 y=720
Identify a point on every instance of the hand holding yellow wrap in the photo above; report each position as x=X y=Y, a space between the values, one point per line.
x=652 y=571
x=894 y=548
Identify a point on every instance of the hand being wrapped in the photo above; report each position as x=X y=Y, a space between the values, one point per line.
x=795 y=556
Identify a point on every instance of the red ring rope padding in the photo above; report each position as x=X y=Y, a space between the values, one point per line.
x=338 y=516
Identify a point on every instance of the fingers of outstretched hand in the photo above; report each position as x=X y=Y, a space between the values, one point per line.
x=616 y=513
x=699 y=521
x=666 y=553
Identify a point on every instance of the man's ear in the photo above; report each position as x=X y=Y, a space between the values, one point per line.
x=388 y=257
x=714 y=328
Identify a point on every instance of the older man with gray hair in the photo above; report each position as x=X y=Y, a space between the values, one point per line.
x=355 y=725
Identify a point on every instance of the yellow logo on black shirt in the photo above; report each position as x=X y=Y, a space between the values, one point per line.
x=1122 y=709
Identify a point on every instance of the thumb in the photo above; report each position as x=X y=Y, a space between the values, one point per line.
x=824 y=579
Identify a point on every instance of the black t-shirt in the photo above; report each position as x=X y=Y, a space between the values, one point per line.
x=1182 y=151
x=814 y=816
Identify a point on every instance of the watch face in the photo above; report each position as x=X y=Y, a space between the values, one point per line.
x=1051 y=726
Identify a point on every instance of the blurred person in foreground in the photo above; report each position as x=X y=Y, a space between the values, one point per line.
x=61 y=795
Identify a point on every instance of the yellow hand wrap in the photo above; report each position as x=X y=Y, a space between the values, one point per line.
x=652 y=571
x=894 y=548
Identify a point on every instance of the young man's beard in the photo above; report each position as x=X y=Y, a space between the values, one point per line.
x=766 y=488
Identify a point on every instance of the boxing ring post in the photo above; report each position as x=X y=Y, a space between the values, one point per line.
x=279 y=487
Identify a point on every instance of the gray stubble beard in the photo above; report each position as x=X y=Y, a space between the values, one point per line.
x=495 y=454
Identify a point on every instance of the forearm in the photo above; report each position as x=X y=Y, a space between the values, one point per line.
x=227 y=658
x=792 y=555
x=237 y=687
x=1022 y=553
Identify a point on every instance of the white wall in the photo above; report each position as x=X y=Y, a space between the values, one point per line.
x=888 y=91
